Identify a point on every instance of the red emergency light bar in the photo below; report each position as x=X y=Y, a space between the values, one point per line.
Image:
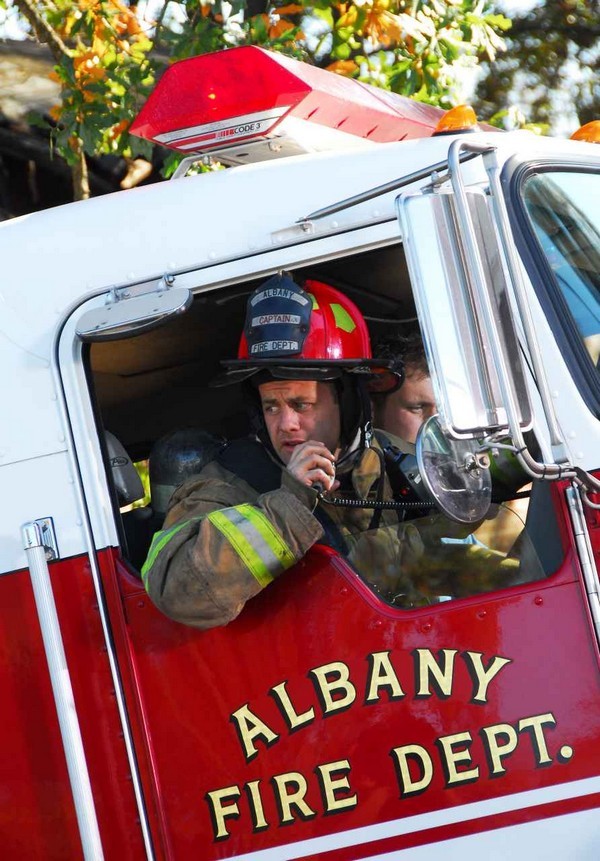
x=247 y=104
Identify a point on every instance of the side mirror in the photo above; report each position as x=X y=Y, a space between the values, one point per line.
x=462 y=296
x=456 y=475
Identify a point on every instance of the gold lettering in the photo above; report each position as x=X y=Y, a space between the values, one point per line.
x=496 y=751
x=536 y=723
x=288 y=797
x=249 y=727
x=330 y=786
x=382 y=675
x=408 y=785
x=256 y=808
x=292 y=718
x=482 y=676
x=339 y=682
x=219 y=812
x=429 y=671
x=451 y=758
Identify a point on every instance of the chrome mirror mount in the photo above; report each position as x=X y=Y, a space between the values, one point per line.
x=455 y=472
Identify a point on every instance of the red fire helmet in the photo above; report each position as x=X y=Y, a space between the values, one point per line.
x=310 y=332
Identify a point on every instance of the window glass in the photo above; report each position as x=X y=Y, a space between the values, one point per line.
x=564 y=208
x=415 y=557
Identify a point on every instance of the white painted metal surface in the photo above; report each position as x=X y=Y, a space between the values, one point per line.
x=207 y=230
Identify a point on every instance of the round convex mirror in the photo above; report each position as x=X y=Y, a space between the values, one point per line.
x=456 y=475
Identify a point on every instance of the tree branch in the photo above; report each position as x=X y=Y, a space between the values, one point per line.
x=43 y=31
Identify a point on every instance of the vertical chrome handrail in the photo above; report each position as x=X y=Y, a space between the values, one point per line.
x=586 y=554
x=477 y=274
x=63 y=692
x=512 y=262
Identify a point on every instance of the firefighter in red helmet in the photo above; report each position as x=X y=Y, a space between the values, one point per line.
x=312 y=472
x=305 y=366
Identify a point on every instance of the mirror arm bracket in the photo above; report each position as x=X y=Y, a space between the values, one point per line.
x=534 y=468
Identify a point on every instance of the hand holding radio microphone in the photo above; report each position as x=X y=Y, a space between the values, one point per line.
x=313 y=464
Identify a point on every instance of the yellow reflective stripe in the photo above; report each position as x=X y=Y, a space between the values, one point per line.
x=254 y=539
x=251 y=534
x=269 y=533
x=158 y=542
x=342 y=318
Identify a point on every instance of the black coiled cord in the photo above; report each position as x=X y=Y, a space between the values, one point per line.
x=374 y=503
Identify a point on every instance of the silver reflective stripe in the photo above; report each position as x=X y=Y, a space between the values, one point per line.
x=254 y=548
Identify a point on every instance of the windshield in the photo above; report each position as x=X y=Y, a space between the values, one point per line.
x=564 y=208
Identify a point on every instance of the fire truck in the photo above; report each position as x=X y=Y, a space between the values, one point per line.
x=325 y=721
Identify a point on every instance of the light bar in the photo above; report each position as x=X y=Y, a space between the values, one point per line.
x=247 y=104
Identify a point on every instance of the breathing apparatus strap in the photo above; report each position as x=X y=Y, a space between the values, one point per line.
x=396 y=463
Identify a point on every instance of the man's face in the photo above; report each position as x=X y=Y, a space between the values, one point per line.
x=403 y=412
x=299 y=410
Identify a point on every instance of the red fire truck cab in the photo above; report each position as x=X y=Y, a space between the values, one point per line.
x=328 y=720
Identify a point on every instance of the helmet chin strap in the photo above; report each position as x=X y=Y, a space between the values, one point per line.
x=356 y=398
x=351 y=453
x=361 y=442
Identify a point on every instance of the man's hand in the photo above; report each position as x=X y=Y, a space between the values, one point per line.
x=312 y=463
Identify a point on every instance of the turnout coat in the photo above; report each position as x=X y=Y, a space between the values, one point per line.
x=244 y=520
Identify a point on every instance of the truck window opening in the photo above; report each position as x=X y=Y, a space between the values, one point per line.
x=147 y=387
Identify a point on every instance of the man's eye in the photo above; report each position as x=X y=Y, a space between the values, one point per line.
x=269 y=409
x=302 y=406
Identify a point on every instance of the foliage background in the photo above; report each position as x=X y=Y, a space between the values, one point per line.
x=108 y=55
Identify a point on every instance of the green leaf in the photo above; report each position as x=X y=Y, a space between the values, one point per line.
x=324 y=12
x=342 y=52
x=139 y=146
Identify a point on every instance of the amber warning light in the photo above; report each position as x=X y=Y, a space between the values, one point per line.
x=247 y=104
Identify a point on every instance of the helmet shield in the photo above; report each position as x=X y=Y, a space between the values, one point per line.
x=277 y=320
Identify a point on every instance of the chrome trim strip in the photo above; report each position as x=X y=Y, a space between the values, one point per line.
x=426 y=821
x=97 y=581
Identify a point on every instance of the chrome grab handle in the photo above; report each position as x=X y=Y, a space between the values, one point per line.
x=35 y=550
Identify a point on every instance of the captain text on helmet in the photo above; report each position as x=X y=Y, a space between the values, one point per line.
x=305 y=366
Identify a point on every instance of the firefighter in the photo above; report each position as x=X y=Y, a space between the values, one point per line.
x=312 y=472
x=305 y=367
x=448 y=565
x=398 y=415
x=402 y=412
